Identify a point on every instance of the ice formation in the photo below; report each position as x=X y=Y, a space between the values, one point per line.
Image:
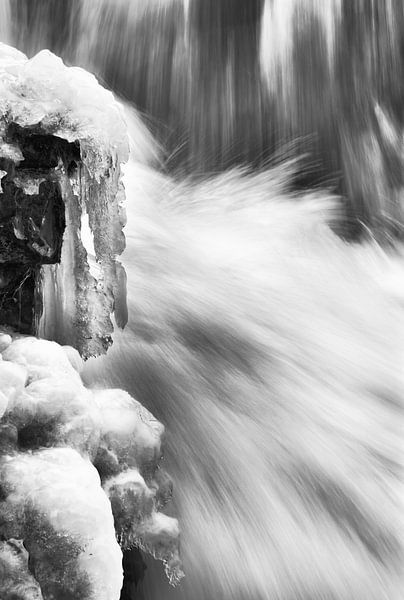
x=79 y=478
x=62 y=142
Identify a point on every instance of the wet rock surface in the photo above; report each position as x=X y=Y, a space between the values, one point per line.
x=32 y=220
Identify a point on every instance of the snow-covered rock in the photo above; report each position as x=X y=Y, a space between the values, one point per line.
x=62 y=142
x=79 y=477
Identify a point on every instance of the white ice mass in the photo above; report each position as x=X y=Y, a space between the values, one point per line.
x=79 y=472
x=61 y=133
x=80 y=475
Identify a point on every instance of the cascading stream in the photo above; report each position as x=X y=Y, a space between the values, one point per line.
x=268 y=346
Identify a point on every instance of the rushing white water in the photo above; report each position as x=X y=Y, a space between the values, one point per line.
x=271 y=350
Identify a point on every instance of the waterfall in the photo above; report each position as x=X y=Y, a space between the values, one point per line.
x=225 y=83
x=267 y=137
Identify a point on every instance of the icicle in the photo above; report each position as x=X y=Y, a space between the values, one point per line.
x=63 y=140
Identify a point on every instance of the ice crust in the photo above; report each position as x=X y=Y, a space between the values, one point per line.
x=42 y=97
x=67 y=102
x=79 y=477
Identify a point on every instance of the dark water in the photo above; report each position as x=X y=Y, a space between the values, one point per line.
x=270 y=348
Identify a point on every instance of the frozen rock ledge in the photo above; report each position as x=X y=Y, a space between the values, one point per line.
x=80 y=476
x=62 y=143
x=79 y=479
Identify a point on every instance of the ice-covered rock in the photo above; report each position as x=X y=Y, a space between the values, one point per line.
x=56 y=505
x=79 y=468
x=79 y=477
x=129 y=431
x=13 y=378
x=62 y=142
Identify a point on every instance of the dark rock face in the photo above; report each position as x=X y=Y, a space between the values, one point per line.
x=32 y=219
x=17 y=296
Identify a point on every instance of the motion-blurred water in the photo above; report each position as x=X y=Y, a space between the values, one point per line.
x=270 y=348
x=230 y=82
x=272 y=352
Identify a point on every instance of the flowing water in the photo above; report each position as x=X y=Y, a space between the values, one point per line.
x=270 y=348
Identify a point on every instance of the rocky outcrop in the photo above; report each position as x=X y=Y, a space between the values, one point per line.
x=80 y=478
x=62 y=143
